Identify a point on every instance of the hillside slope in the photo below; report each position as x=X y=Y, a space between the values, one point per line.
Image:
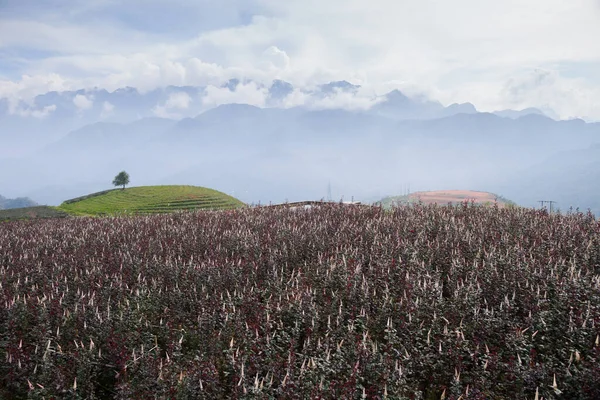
x=150 y=200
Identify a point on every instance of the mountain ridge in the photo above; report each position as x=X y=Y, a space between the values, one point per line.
x=276 y=153
x=19 y=202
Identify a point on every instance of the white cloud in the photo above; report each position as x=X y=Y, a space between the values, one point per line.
x=26 y=88
x=164 y=112
x=245 y=93
x=24 y=110
x=107 y=109
x=570 y=98
x=346 y=100
x=83 y=102
x=201 y=73
x=296 y=98
x=176 y=101
x=179 y=100
x=361 y=100
x=276 y=59
x=465 y=50
x=44 y=112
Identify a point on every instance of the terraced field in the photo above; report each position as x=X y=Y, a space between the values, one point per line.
x=150 y=200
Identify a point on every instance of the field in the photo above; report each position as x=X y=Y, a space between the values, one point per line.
x=444 y=197
x=31 y=213
x=420 y=302
x=150 y=200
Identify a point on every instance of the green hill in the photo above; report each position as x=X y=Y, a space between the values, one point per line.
x=150 y=200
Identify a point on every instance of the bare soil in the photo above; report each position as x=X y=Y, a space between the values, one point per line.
x=455 y=196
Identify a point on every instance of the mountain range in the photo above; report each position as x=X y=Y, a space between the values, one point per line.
x=281 y=151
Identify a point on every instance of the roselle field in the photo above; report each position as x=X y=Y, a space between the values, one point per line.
x=421 y=302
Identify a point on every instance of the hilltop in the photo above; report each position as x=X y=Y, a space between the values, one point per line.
x=444 y=197
x=150 y=200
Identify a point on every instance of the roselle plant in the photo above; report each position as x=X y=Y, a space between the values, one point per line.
x=420 y=302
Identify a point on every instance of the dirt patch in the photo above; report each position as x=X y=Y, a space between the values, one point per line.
x=456 y=196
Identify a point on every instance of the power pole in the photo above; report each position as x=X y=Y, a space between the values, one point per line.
x=550 y=202
x=329 y=191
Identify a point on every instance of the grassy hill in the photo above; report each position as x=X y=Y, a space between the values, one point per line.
x=444 y=197
x=150 y=200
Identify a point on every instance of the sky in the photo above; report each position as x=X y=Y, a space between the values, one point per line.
x=494 y=54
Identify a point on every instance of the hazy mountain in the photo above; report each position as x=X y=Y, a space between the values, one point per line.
x=567 y=177
x=19 y=202
x=398 y=106
x=274 y=154
x=279 y=90
x=453 y=109
x=338 y=86
x=514 y=114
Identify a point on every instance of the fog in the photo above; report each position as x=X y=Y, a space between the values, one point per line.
x=273 y=155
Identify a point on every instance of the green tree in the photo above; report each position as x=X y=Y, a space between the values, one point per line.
x=121 y=179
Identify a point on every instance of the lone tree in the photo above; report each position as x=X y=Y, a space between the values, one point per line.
x=121 y=179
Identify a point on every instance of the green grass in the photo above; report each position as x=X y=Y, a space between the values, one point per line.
x=150 y=200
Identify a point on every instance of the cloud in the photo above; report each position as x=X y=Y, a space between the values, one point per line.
x=164 y=112
x=362 y=99
x=26 y=88
x=179 y=100
x=466 y=50
x=25 y=110
x=44 y=112
x=245 y=93
x=276 y=59
x=83 y=102
x=107 y=109
x=346 y=100
x=548 y=90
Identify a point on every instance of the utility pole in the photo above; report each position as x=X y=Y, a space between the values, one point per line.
x=550 y=202
x=329 y=191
